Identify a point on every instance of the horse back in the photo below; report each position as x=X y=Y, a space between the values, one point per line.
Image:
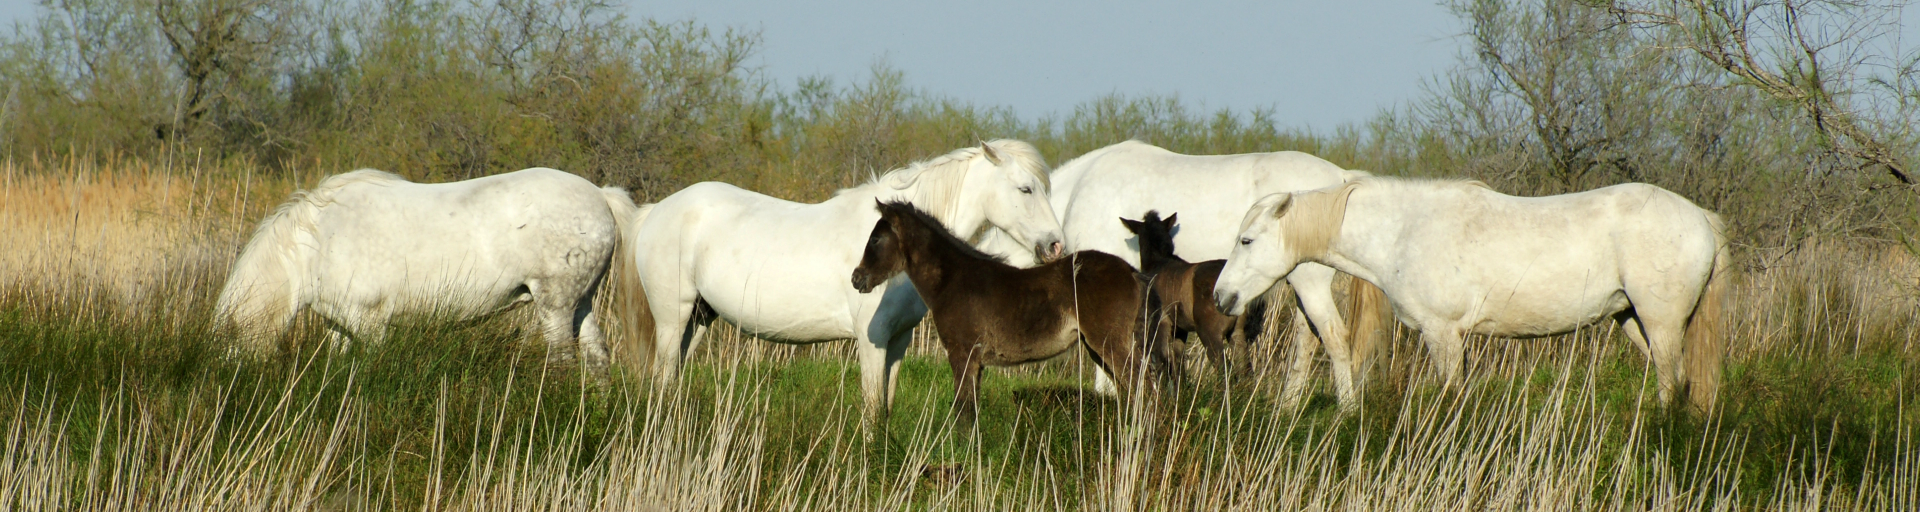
x=415 y=242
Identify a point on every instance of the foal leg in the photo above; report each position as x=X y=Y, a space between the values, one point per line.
x=1103 y=383
x=1242 y=331
x=966 y=384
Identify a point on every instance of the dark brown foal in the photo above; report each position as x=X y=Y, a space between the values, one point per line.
x=993 y=314
x=1182 y=294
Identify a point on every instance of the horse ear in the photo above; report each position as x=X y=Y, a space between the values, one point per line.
x=1280 y=208
x=1170 y=220
x=1132 y=225
x=992 y=157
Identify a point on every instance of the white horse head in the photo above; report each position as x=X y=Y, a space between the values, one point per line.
x=1278 y=233
x=1003 y=185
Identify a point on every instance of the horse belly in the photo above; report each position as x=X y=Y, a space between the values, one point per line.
x=783 y=312
x=1548 y=316
x=1014 y=349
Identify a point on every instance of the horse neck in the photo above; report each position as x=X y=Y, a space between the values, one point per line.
x=264 y=282
x=1155 y=257
x=1366 y=236
x=932 y=261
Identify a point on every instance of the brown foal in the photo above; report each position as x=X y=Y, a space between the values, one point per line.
x=991 y=313
x=1182 y=294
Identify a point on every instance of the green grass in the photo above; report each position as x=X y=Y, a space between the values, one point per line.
x=438 y=414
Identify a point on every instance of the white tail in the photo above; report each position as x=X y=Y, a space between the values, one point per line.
x=1703 y=349
x=626 y=305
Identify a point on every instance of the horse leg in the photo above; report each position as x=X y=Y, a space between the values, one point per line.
x=1664 y=338
x=1241 y=332
x=670 y=333
x=1631 y=325
x=338 y=339
x=699 y=324
x=365 y=325
x=1168 y=344
x=1305 y=346
x=1245 y=330
x=556 y=327
x=1214 y=338
x=966 y=384
x=1103 y=383
x=593 y=343
x=881 y=343
x=1314 y=285
x=1448 y=349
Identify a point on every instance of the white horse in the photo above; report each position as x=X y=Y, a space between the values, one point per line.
x=365 y=246
x=1458 y=258
x=778 y=269
x=1211 y=193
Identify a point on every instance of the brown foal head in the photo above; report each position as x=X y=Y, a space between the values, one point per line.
x=1156 y=239
x=883 y=257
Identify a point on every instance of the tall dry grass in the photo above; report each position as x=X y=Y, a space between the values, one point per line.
x=1820 y=374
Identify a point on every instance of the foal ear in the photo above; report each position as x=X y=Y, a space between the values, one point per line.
x=992 y=157
x=1170 y=220
x=1133 y=225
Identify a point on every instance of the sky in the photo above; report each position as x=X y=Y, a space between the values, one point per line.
x=1317 y=64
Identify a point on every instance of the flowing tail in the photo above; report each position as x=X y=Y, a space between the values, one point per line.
x=633 y=335
x=1372 y=323
x=1703 y=350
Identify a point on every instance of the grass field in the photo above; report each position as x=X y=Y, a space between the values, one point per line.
x=115 y=398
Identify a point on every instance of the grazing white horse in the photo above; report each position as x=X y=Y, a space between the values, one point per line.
x=1210 y=193
x=1457 y=258
x=778 y=269
x=365 y=246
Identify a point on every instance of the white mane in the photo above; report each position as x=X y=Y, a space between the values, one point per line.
x=943 y=176
x=1311 y=219
x=265 y=274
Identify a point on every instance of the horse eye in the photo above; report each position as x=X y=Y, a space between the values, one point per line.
x=1246 y=241
x=1026 y=190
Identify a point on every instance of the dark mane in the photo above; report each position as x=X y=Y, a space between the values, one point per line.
x=908 y=210
x=1157 y=235
x=1156 y=243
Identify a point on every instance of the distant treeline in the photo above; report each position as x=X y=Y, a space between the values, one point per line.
x=1550 y=96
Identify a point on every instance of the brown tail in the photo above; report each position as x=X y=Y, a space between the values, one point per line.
x=1703 y=350
x=1372 y=324
x=633 y=343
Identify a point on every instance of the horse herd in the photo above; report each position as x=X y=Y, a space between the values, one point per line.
x=1016 y=263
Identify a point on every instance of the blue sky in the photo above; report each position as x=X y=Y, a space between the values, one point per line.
x=1318 y=64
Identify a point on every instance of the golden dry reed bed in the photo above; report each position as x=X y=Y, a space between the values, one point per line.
x=115 y=402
